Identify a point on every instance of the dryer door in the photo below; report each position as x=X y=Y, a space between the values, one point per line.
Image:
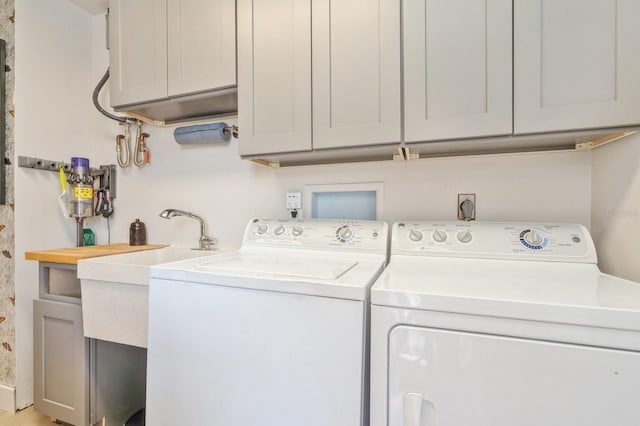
x=448 y=378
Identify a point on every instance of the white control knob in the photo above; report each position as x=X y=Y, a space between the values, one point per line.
x=297 y=231
x=465 y=236
x=533 y=237
x=279 y=230
x=262 y=229
x=439 y=236
x=345 y=233
x=415 y=235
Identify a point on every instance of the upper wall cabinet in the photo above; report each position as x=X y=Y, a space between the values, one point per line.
x=356 y=72
x=274 y=74
x=446 y=76
x=349 y=87
x=137 y=50
x=457 y=69
x=165 y=48
x=576 y=64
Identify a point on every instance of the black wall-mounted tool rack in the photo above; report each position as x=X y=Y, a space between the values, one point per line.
x=106 y=174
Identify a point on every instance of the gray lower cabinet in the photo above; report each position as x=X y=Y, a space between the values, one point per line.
x=61 y=362
x=78 y=380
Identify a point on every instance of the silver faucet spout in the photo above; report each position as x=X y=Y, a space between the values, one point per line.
x=204 y=242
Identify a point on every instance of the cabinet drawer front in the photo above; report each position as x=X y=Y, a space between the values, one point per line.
x=201 y=45
x=356 y=72
x=274 y=73
x=138 y=50
x=575 y=64
x=457 y=69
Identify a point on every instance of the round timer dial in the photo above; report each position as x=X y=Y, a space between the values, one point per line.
x=262 y=229
x=344 y=234
x=534 y=239
x=415 y=235
x=439 y=236
x=297 y=230
x=465 y=236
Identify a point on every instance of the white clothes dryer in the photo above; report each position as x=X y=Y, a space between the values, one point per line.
x=502 y=324
x=274 y=334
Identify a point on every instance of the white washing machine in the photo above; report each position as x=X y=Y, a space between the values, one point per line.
x=275 y=334
x=502 y=324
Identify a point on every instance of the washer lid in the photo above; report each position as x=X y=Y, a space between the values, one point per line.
x=569 y=293
x=278 y=265
x=312 y=272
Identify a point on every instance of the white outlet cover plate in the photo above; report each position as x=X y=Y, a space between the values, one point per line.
x=463 y=197
x=294 y=200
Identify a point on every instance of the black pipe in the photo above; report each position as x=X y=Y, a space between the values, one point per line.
x=96 y=93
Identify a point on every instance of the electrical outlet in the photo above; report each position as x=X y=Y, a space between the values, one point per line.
x=294 y=200
x=466 y=206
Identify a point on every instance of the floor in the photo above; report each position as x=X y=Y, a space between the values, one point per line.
x=26 y=417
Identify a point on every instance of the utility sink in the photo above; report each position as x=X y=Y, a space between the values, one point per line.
x=115 y=292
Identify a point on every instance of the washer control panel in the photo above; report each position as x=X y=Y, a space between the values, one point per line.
x=358 y=235
x=494 y=240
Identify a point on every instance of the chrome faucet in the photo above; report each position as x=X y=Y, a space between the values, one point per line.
x=205 y=242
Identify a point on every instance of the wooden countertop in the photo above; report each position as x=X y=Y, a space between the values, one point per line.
x=73 y=254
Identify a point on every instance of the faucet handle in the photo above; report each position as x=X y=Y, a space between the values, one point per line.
x=207 y=243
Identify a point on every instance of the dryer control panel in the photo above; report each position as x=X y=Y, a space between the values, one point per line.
x=494 y=240
x=349 y=235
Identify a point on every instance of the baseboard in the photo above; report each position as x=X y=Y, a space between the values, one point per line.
x=8 y=398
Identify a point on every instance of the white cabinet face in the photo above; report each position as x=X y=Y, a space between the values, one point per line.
x=138 y=50
x=457 y=69
x=576 y=64
x=201 y=45
x=161 y=48
x=356 y=72
x=353 y=86
x=274 y=74
x=453 y=378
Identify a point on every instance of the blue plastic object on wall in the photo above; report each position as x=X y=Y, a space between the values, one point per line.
x=202 y=134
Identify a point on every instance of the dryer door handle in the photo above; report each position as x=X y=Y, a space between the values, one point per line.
x=416 y=408
x=412 y=409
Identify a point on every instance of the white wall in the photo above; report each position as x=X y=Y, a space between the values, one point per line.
x=616 y=206
x=226 y=191
x=211 y=180
x=52 y=122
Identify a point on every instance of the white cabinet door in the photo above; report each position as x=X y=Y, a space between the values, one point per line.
x=356 y=72
x=453 y=378
x=201 y=45
x=138 y=50
x=274 y=75
x=457 y=69
x=576 y=64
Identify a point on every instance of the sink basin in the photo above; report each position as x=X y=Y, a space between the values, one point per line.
x=133 y=268
x=115 y=292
